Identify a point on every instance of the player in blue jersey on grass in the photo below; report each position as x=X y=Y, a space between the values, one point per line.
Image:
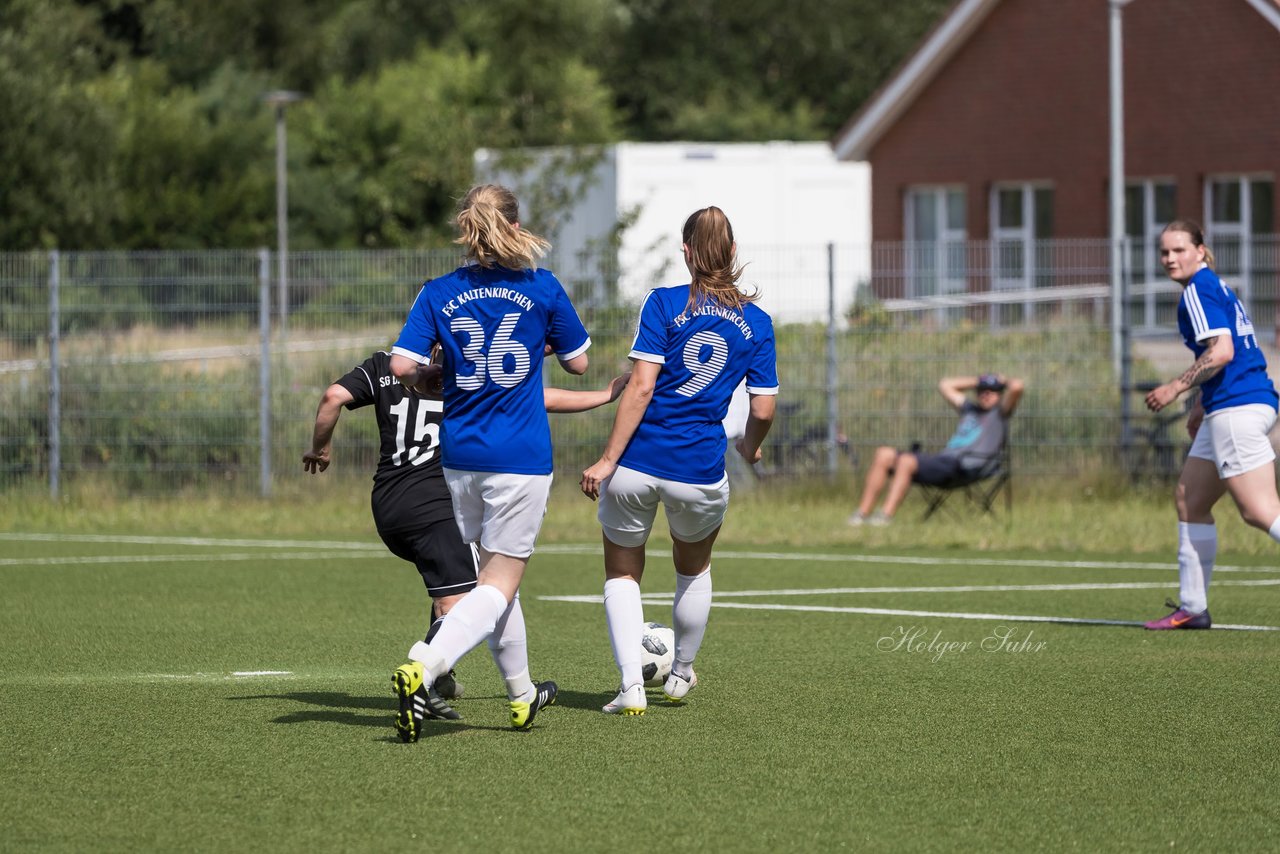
x=494 y=319
x=1228 y=423
x=693 y=345
x=412 y=508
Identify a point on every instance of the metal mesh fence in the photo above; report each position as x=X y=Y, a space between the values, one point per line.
x=161 y=372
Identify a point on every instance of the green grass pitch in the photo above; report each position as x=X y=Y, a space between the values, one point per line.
x=234 y=695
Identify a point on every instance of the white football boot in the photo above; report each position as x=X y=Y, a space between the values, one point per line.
x=677 y=688
x=630 y=701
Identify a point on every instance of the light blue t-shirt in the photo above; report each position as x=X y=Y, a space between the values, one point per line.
x=979 y=436
x=1209 y=309
x=493 y=324
x=704 y=355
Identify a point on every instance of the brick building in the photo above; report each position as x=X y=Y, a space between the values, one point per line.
x=996 y=130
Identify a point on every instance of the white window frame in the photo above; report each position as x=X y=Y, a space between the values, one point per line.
x=1151 y=227
x=949 y=281
x=1024 y=234
x=1149 y=274
x=1242 y=230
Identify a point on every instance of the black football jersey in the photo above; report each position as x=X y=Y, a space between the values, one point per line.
x=409 y=490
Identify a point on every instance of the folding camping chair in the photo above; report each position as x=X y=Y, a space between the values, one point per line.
x=980 y=487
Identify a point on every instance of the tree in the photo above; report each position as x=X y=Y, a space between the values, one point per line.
x=195 y=167
x=56 y=181
x=391 y=152
x=755 y=69
x=139 y=123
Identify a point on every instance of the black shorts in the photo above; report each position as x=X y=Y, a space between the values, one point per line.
x=936 y=469
x=447 y=564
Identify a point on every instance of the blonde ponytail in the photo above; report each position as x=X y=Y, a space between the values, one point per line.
x=488 y=227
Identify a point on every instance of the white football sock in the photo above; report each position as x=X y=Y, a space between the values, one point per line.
x=624 y=613
x=1274 y=530
x=689 y=614
x=510 y=650
x=1197 y=550
x=467 y=623
x=432 y=660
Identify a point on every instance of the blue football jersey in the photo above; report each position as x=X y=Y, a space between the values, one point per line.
x=493 y=325
x=1208 y=309
x=704 y=355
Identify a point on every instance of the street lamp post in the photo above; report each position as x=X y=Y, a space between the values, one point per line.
x=281 y=99
x=1116 y=80
x=1119 y=342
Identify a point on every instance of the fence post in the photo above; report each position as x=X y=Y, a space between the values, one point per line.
x=264 y=372
x=55 y=383
x=1125 y=327
x=1148 y=298
x=832 y=381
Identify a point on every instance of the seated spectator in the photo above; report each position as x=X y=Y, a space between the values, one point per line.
x=977 y=440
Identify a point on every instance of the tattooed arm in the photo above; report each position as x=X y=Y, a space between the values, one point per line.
x=1217 y=355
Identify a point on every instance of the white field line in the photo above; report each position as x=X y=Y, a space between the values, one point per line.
x=898 y=612
x=192 y=541
x=919 y=561
x=585 y=549
x=1013 y=618
x=986 y=588
x=106 y=678
x=187 y=558
x=660 y=598
x=373 y=550
x=978 y=561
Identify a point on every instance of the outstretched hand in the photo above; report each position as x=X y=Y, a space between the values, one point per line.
x=1161 y=396
x=315 y=461
x=617 y=384
x=596 y=475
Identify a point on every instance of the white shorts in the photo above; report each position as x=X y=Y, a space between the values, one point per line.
x=503 y=512
x=1235 y=439
x=629 y=502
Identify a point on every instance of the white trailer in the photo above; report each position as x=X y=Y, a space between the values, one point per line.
x=786 y=200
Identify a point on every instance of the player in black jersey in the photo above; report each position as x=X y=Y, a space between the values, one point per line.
x=412 y=508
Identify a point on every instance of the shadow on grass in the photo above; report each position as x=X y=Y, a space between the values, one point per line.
x=587 y=700
x=332 y=707
x=592 y=701
x=340 y=708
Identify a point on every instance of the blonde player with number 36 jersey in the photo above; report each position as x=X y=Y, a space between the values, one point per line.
x=493 y=318
x=695 y=343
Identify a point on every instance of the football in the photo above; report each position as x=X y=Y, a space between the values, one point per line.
x=658 y=649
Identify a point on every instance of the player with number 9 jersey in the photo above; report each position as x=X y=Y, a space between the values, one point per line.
x=705 y=353
x=493 y=324
x=694 y=344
